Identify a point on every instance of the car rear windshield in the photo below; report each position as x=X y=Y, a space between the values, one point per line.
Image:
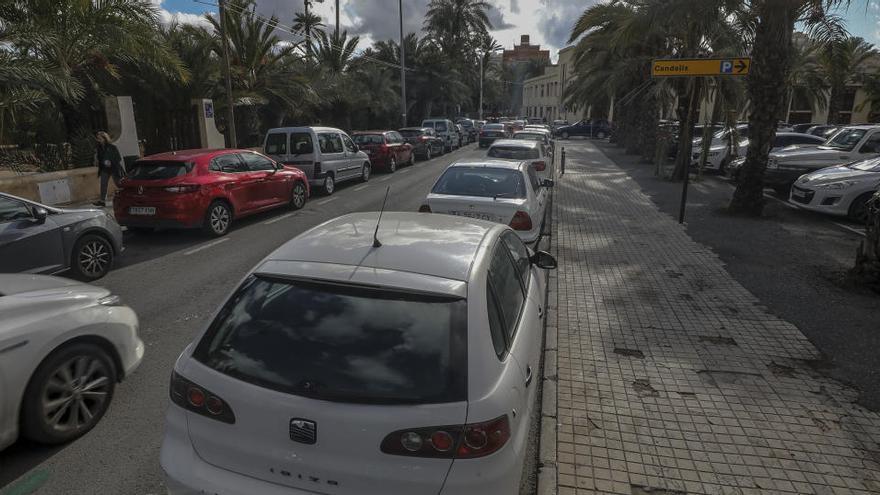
x=528 y=136
x=341 y=342
x=411 y=132
x=514 y=152
x=488 y=182
x=158 y=170
x=493 y=127
x=276 y=144
x=362 y=139
x=438 y=125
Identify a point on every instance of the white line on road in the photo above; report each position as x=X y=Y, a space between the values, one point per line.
x=206 y=246
x=358 y=188
x=325 y=201
x=278 y=219
x=785 y=203
x=851 y=229
x=383 y=179
x=404 y=171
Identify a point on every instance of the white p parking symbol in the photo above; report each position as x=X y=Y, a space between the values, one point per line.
x=726 y=67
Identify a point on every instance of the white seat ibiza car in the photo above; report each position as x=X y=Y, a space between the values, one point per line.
x=507 y=192
x=63 y=347
x=518 y=150
x=346 y=366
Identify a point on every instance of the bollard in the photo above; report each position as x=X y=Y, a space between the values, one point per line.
x=562 y=162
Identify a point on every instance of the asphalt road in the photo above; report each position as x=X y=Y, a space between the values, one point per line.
x=793 y=260
x=174 y=281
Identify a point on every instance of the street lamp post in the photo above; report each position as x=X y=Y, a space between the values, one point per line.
x=402 y=68
x=230 y=111
x=480 y=113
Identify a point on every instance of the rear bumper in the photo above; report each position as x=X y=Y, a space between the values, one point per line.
x=181 y=213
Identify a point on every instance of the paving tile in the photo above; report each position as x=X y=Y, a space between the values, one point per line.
x=702 y=407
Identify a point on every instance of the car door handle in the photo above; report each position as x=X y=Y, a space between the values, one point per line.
x=528 y=375
x=540 y=312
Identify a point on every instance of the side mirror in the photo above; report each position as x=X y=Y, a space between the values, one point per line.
x=548 y=183
x=543 y=259
x=40 y=214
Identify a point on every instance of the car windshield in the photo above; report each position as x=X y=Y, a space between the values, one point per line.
x=487 y=182
x=872 y=165
x=529 y=136
x=158 y=169
x=845 y=139
x=362 y=139
x=340 y=342
x=493 y=127
x=514 y=152
x=411 y=132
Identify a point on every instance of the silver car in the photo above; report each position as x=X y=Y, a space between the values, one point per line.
x=35 y=238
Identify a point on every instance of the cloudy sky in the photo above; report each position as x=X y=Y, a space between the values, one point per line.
x=548 y=22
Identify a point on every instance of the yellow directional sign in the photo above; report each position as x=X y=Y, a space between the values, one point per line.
x=695 y=67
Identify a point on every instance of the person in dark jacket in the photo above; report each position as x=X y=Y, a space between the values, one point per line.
x=109 y=164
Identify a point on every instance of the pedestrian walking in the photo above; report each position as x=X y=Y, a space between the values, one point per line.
x=109 y=163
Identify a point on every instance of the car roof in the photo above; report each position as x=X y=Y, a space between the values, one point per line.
x=304 y=129
x=516 y=143
x=436 y=245
x=415 y=129
x=490 y=163
x=188 y=155
x=863 y=126
x=798 y=134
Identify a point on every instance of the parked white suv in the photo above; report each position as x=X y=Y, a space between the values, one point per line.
x=326 y=155
x=407 y=366
x=446 y=130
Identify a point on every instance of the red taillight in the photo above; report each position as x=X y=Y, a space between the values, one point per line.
x=424 y=209
x=199 y=400
x=521 y=221
x=540 y=166
x=183 y=189
x=460 y=442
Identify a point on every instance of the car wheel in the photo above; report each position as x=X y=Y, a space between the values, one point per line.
x=858 y=209
x=92 y=257
x=298 y=196
x=329 y=184
x=392 y=165
x=600 y=135
x=564 y=135
x=218 y=218
x=365 y=171
x=68 y=394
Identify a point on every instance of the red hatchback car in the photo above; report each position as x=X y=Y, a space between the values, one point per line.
x=205 y=188
x=387 y=149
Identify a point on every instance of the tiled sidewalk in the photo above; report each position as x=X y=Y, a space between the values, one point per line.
x=665 y=376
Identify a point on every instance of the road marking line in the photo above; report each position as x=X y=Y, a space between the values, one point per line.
x=206 y=246
x=325 y=201
x=358 y=188
x=404 y=171
x=383 y=179
x=29 y=484
x=851 y=229
x=278 y=219
x=786 y=203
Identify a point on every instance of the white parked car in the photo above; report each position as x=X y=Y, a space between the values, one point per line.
x=519 y=150
x=537 y=135
x=718 y=155
x=407 y=366
x=843 y=190
x=507 y=192
x=64 y=346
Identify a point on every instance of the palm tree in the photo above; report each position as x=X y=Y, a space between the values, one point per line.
x=841 y=61
x=86 y=41
x=773 y=23
x=335 y=53
x=308 y=23
x=452 y=24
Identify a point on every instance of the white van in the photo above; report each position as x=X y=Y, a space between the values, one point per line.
x=446 y=130
x=335 y=158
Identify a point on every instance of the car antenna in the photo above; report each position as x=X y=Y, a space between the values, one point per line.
x=376 y=242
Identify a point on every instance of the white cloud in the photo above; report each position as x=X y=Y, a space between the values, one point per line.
x=166 y=17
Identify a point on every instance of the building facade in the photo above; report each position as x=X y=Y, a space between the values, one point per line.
x=543 y=95
x=526 y=52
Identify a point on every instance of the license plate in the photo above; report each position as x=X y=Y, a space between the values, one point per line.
x=142 y=210
x=473 y=214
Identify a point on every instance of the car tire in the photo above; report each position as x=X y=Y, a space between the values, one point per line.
x=298 y=195
x=365 y=172
x=218 y=218
x=564 y=135
x=49 y=395
x=392 y=165
x=858 y=209
x=92 y=257
x=329 y=186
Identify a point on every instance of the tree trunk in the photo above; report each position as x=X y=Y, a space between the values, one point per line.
x=867 y=268
x=834 y=96
x=685 y=134
x=650 y=121
x=771 y=56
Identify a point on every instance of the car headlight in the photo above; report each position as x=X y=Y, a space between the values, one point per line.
x=836 y=185
x=111 y=300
